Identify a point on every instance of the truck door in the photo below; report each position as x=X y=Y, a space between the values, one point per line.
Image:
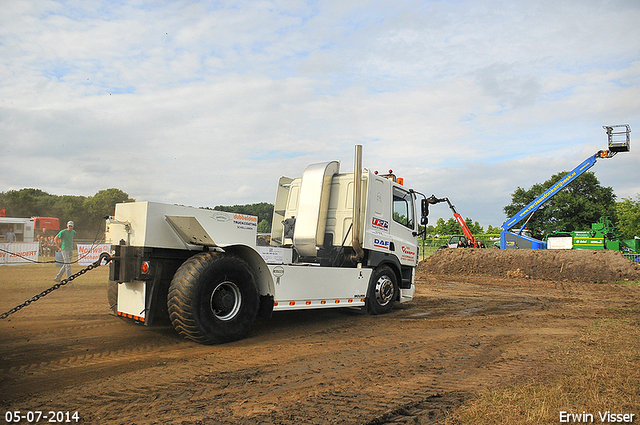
x=403 y=227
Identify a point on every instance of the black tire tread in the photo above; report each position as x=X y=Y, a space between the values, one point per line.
x=183 y=289
x=372 y=306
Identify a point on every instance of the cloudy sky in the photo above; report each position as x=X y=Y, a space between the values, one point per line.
x=209 y=103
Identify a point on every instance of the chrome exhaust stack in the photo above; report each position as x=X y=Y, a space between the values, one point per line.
x=357 y=204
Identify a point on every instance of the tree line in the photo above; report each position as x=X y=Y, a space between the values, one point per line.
x=88 y=212
x=576 y=207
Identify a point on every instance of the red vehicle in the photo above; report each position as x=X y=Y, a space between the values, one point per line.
x=46 y=223
x=470 y=240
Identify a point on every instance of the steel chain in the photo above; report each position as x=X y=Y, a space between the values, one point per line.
x=95 y=264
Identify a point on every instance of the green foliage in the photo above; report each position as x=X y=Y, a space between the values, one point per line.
x=451 y=227
x=400 y=218
x=628 y=212
x=264 y=227
x=68 y=207
x=26 y=202
x=103 y=203
x=493 y=230
x=575 y=207
x=475 y=227
x=86 y=212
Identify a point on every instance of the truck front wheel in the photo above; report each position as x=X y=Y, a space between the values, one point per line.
x=383 y=291
x=213 y=298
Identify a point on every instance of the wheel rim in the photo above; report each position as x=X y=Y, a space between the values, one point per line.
x=225 y=301
x=384 y=290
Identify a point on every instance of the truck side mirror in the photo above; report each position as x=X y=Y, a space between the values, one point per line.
x=424 y=206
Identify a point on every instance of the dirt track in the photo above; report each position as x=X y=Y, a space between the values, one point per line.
x=460 y=335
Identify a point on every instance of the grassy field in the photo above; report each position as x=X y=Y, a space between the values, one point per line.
x=597 y=374
x=40 y=276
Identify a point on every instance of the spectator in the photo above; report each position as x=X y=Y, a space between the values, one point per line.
x=51 y=245
x=65 y=239
x=10 y=236
x=44 y=243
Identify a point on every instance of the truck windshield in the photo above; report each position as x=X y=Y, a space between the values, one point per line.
x=403 y=208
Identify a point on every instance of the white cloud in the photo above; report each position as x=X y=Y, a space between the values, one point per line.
x=209 y=103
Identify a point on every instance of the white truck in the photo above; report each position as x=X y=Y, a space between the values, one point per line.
x=337 y=240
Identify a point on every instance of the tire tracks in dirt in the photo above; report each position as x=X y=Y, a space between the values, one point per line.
x=302 y=388
x=414 y=365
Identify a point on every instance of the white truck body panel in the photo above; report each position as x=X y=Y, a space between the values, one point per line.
x=190 y=230
x=338 y=215
x=149 y=226
x=381 y=232
x=312 y=207
x=276 y=255
x=297 y=287
x=300 y=286
x=340 y=209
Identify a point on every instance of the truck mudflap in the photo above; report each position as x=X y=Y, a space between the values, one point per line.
x=132 y=300
x=406 y=295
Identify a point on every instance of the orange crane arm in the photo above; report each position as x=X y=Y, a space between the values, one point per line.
x=465 y=229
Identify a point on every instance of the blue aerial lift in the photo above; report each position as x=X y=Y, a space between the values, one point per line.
x=618 y=136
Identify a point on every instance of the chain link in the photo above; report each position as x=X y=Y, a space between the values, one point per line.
x=95 y=264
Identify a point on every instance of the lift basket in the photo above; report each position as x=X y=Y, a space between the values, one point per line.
x=618 y=137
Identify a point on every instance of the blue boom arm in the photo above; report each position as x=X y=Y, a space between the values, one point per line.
x=553 y=190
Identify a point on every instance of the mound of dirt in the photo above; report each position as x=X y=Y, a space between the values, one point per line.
x=573 y=265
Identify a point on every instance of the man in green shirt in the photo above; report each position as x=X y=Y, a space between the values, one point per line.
x=64 y=239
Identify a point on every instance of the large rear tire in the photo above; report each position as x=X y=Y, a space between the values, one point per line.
x=383 y=291
x=213 y=298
